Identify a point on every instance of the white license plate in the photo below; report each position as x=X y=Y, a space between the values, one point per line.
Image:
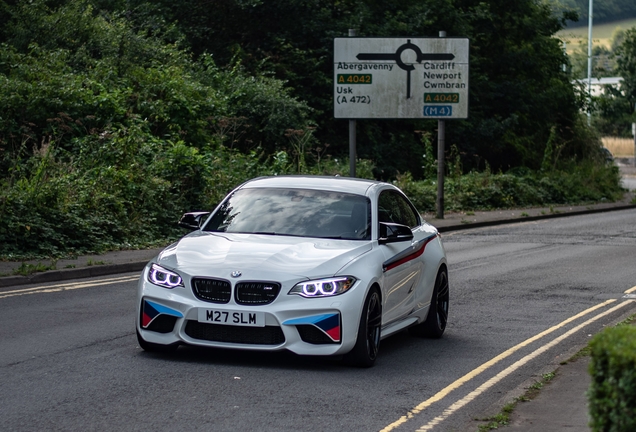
x=230 y=317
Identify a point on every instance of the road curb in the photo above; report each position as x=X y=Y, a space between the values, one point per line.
x=77 y=273
x=469 y=225
x=137 y=266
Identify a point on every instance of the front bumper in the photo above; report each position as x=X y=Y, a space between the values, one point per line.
x=306 y=326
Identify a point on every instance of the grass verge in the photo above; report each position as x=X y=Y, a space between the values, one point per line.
x=503 y=417
x=26 y=269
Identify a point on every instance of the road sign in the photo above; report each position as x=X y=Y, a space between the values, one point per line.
x=400 y=78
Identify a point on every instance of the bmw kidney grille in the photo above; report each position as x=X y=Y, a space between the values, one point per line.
x=256 y=293
x=246 y=293
x=212 y=290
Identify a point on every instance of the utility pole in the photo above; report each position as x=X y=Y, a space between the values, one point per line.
x=589 y=63
x=441 y=138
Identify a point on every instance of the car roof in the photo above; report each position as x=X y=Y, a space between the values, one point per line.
x=336 y=184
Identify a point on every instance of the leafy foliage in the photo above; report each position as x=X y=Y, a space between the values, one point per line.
x=584 y=182
x=614 y=111
x=98 y=70
x=626 y=54
x=518 y=88
x=612 y=394
x=116 y=117
x=109 y=133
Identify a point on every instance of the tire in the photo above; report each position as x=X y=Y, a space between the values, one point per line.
x=156 y=348
x=435 y=323
x=365 y=351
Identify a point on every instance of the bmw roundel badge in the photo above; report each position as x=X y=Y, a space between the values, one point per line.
x=236 y=274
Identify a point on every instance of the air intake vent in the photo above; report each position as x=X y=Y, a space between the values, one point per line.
x=162 y=324
x=313 y=335
x=268 y=335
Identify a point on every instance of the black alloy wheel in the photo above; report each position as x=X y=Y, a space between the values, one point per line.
x=435 y=323
x=367 y=344
x=374 y=322
x=442 y=303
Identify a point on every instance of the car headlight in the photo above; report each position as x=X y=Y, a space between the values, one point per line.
x=163 y=277
x=323 y=287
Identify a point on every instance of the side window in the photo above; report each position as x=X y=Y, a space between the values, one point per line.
x=393 y=207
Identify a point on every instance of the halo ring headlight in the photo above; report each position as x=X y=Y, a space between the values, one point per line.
x=323 y=287
x=164 y=277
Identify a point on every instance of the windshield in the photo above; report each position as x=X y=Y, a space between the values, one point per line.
x=294 y=212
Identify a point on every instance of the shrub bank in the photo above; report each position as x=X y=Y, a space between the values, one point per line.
x=584 y=182
x=124 y=190
x=128 y=188
x=612 y=394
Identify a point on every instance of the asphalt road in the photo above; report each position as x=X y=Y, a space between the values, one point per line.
x=523 y=298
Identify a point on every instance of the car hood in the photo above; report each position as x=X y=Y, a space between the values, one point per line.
x=219 y=254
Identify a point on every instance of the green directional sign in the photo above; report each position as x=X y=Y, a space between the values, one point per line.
x=401 y=78
x=345 y=79
x=439 y=98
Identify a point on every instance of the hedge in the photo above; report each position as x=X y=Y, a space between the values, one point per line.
x=612 y=394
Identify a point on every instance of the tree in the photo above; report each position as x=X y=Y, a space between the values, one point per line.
x=618 y=109
x=626 y=65
x=519 y=91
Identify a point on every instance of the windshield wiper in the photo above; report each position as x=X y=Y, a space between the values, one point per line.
x=275 y=233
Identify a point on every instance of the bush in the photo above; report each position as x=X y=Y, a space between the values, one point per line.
x=587 y=181
x=612 y=394
x=108 y=134
x=121 y=189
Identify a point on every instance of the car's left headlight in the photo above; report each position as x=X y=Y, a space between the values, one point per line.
x=323 y=287
x=164 y=277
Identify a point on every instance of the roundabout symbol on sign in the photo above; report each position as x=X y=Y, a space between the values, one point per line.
x=397 y=58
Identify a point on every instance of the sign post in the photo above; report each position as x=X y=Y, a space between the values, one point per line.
x=402 y=78
x=352 y=135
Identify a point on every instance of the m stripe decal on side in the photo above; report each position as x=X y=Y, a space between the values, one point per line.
x=407 y=255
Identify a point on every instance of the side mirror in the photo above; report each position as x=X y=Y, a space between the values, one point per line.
x=393 y=233
x=192 y=220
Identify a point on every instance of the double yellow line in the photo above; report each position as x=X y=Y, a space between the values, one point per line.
x=66 y=286
x=501 y=375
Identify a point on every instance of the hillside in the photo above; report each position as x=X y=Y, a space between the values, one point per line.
x=605 y=11
x=601 y=33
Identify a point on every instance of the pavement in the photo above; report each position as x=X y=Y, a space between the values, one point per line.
x=560 y=406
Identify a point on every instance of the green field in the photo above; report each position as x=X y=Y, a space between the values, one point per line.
x=601 y=34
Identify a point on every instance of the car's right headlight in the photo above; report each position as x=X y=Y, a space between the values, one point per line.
x=323 y=287
x=164 y=277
